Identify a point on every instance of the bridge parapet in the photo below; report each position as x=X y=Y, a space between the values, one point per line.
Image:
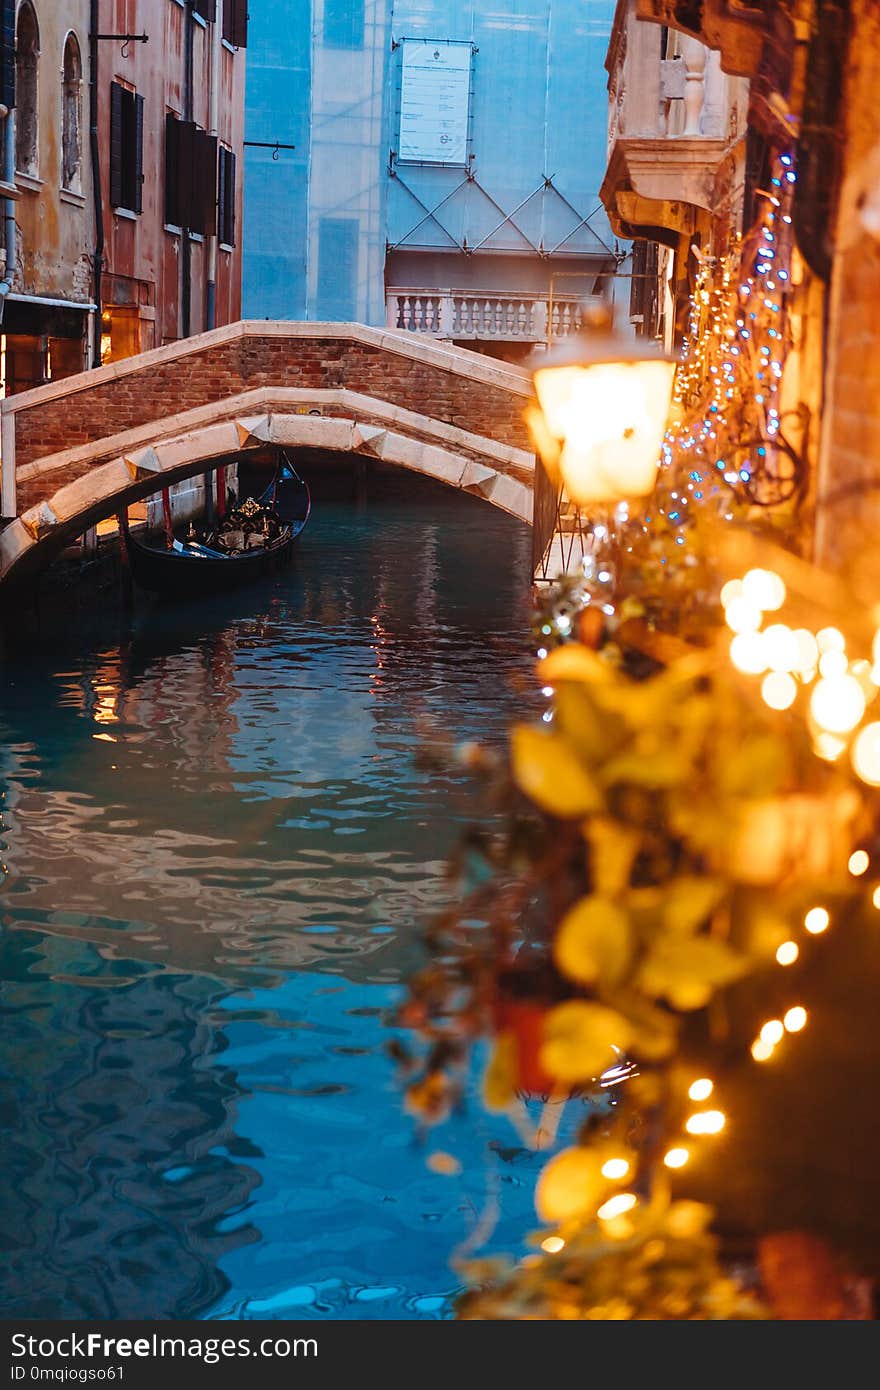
x=437 y=380
x=83 y=447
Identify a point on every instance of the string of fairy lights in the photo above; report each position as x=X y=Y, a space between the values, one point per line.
x=798 y=668
x=727 y=442
x=727 y=439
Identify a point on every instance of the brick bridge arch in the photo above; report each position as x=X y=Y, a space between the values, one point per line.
x=80 y=449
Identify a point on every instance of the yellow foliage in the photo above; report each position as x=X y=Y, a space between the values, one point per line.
x=580 y=1038
x=688 y=1220
x=688 y=901
x=613 y=847
x=574 y=662
x=686 y=970
x=593 y=942
x=570 y=1185
x=543 y=768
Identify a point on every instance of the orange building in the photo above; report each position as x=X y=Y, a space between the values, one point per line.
x=171 y=128
x=120 y=178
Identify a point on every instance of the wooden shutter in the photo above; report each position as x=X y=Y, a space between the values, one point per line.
x=186 y=160
x=172 y=167
x=7 y=53
x=137 y=155
x=226 y=198
x=235 y=22
x=206 y=9
x=117 y=94
x=221 y=195
x=206 y=183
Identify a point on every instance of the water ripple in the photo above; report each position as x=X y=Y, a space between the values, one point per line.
x=220 y=852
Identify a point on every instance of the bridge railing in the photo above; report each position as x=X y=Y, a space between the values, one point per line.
x=482 y=315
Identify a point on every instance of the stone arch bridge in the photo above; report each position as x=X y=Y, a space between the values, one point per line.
x=82 y=448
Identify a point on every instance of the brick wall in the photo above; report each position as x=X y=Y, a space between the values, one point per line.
x=200 y=378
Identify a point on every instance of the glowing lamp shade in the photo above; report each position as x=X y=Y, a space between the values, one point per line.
x=601 y=415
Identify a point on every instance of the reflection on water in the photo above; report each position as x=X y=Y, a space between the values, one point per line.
x=218 y=852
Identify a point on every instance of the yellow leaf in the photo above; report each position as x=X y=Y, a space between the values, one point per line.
x=546 y=770
x=579 y=1040
x=574 y=662
x=499 y=1081
x=613 y=847
x=570 y=1185
x=689 y=901
x=593 y=942
x=654 y=1029
x=686 y=970
x=593 y=733
x=651 y=762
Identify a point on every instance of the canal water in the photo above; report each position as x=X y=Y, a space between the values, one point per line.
x=219 y=853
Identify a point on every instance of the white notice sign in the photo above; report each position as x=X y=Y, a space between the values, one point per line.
x=435 y=89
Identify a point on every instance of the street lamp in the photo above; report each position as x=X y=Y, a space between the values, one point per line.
x=602 y=405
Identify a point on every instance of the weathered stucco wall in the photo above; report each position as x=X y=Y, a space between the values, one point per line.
x=56 y=226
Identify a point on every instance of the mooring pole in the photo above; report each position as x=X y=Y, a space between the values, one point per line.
x=166 y=514
x=126 y=587
x=221 y=491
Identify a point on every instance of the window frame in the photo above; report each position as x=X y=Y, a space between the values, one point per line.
x=71 y=183
x=126 y=149
x=226 y=190
x=235 y=22
x=30 y=167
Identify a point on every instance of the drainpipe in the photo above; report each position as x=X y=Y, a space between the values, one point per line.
x=218 y=480
x=9 y=238
x=185 y=245
x=98 y=257
x=213 y=124
x=7 y=473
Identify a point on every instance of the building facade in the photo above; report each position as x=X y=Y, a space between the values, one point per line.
x=676 y=171
x=432 y=167
x=48 y=243
x=122 y=125
x=169 y=150
x=792 y=79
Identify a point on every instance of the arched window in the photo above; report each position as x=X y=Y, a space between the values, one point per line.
x=71 y=117
x=27 y=53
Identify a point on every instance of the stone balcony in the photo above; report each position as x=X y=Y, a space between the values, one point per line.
x=482 y=315
x=676 y=127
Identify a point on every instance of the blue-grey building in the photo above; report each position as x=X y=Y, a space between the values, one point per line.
x=446 y=164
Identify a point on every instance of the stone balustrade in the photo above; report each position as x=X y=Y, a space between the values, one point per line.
x=482 y=315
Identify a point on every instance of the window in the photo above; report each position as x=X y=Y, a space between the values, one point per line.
x=344 y=23
x=7 y=53
x=235 y=22
x=27 y=53
x=226 y=198
x=206 y=10
x=71 y=116
x=126 y=148
x=190 y=176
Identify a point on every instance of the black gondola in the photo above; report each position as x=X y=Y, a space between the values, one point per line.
x=237 y=553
